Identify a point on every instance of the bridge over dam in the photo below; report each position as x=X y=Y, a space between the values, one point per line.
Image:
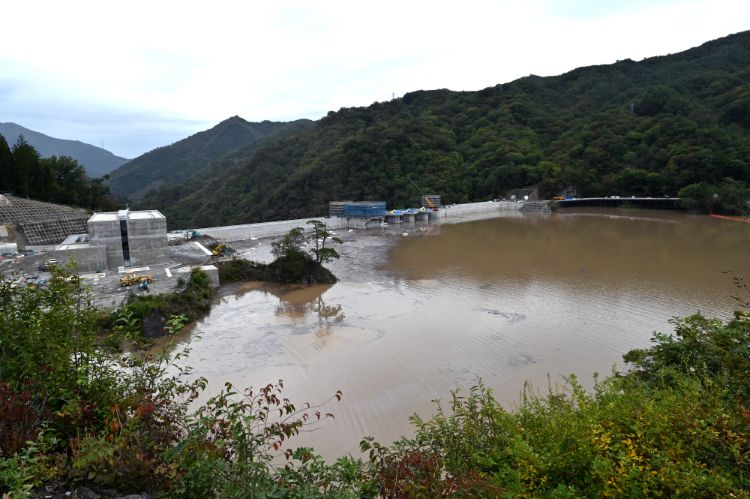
x=614 y=202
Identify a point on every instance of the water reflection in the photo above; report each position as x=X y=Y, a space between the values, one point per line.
x=504 y=299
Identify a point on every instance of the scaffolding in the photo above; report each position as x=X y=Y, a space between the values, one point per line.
x=356 y=209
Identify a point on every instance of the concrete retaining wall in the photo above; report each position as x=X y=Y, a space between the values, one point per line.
x=458 y=210
x=273 y=229
x=89 y=258
x=267 y=229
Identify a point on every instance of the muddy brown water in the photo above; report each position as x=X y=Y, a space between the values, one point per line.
x=506 y=299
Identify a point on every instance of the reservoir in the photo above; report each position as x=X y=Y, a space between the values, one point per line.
x=421 y=310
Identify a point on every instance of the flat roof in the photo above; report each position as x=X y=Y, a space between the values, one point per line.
x=113 y=216
x=76 y=239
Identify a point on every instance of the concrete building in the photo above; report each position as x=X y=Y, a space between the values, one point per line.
x=131 y=238
x=118 y=239
x=78 y=248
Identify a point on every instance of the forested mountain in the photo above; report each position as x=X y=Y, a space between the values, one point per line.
x=97 y=161
x=57 y=179
x=630 y=128
x=193 y=156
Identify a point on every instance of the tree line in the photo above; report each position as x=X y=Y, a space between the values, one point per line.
x=57 y=179
x=648 y=128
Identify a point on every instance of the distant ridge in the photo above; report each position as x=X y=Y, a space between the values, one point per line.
x=193 y=156
x=648 y=128
x=97 y=161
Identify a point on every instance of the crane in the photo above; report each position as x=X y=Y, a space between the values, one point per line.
x=427 y=200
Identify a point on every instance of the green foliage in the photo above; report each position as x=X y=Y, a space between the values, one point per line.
x=176 y=323
x=295 y=267
x=190 y=302
x=48 y=347
x=30 y=467
x=320 y=235
x=706 y=349
x=687 y=126
x=730 y=197
x=289 y=244
x=55 y=179
x=676 y=424
x=244 y=433
x=292 y=264
x=698 y=197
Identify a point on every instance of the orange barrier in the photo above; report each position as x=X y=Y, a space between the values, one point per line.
x=733 y=219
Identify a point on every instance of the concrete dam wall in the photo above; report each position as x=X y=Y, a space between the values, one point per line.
x=273 y=229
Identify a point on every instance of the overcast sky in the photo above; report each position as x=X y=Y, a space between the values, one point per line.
x=136 y=75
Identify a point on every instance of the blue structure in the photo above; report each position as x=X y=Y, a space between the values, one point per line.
x=365 y=209
x=359 y=209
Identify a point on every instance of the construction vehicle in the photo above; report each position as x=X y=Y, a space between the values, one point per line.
x=219 y=249
x=130 y=279
x=429 y=202
x=46 y=266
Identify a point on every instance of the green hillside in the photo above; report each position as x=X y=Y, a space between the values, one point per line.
x=193 y=156
x=629 y=128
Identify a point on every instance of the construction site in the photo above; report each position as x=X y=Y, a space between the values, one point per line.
x=125 y=252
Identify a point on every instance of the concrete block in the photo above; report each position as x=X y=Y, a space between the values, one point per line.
x=89 y=257
x=146 y=235
x=213 y=275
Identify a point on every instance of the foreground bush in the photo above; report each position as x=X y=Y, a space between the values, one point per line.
x=677 y=424
x=73 y=415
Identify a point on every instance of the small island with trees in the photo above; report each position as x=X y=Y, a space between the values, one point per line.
x=292 y=264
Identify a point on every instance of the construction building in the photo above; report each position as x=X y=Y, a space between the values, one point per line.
x=132 y=238
x=358 y=214
x=356 y=209
x=119 y=239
